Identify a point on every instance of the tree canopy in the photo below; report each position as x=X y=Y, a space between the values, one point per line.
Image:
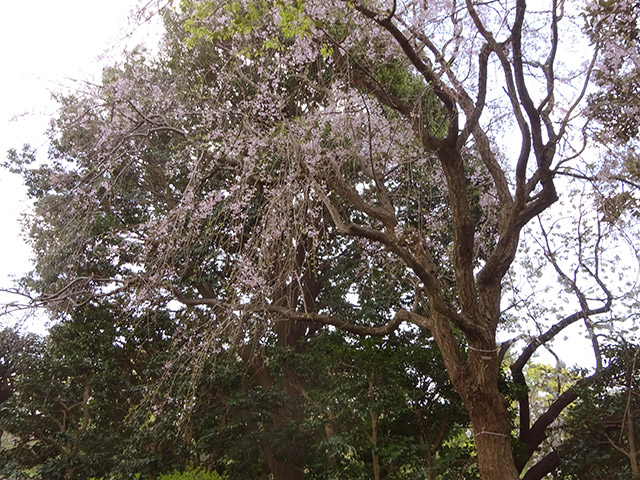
x=455 y=170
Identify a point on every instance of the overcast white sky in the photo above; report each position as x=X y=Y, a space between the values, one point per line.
x=45 y=45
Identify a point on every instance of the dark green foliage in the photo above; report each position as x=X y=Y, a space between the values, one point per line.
x=603 y=426
x=220 y=418
x=381 y=398
x=73 y=392
x=196 y=474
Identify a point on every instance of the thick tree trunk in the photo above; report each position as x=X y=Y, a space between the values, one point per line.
x=281 y=459
x=495 y=457
x=281 y=470
x=431 y=471
x=543 y=467
x=69 y=474
x=475 y=379
x=488 y=414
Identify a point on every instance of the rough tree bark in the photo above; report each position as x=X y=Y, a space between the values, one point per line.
x=282 y=460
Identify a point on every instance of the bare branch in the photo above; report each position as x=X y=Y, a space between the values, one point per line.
x=551 y=333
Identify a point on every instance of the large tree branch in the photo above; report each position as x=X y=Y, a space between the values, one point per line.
x=463 y=227
x=527 y=433
x=542 y=339
x=385 y=215
x=512 y=92
x=544 y=152
x=324 y=319
x=543 y=467
x=368 y=83
x=424 y=268
x=546 y=105
x=501 y=257
x=439 y=88
x=535 y=435
x=523 y=91
x=473 y=111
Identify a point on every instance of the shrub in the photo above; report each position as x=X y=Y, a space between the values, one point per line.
x=195 y=474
